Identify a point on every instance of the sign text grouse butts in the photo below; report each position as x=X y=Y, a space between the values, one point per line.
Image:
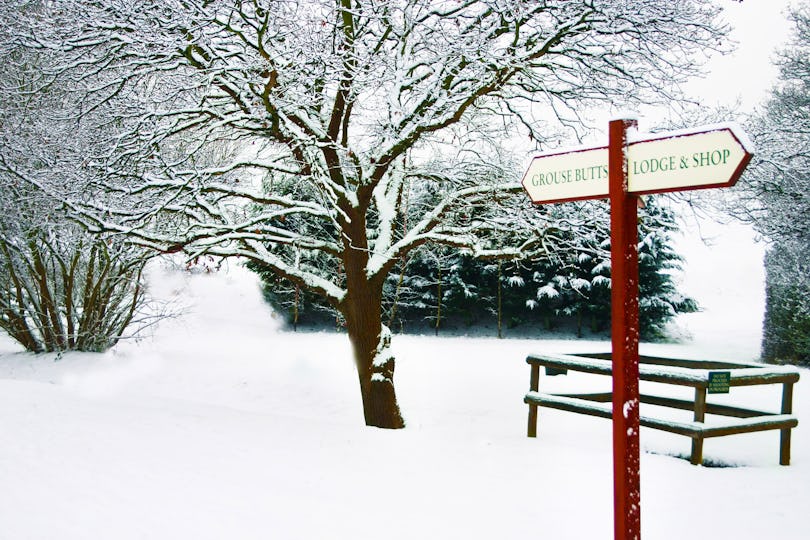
x=711 y=156
x=665 y=162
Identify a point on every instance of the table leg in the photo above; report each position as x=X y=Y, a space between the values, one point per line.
x=700 y=416
x=784 y=434
x=534 y=385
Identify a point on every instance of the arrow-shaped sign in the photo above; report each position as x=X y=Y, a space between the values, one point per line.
x=711 y=156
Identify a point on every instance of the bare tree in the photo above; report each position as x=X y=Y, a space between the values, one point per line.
x=61 y=288
x=776 y=187
x=321 y=101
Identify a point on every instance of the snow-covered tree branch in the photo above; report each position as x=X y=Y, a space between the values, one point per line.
x=775 y=198
x=291 y=132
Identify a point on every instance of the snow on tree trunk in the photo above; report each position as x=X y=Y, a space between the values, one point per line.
x=375 y=370
x=371 y=341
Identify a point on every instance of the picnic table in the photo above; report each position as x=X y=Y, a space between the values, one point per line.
x=705 y=376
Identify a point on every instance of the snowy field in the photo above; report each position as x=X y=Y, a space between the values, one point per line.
x=221 y=426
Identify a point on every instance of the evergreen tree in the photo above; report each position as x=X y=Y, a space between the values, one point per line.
x=787 y=304
x=659 y=299
x=577 y=283
x=442 y=287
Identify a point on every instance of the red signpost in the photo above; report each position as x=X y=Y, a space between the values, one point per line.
x=624 y=336
x=714 y=156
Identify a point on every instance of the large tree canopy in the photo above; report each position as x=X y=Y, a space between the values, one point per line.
x=289 y=131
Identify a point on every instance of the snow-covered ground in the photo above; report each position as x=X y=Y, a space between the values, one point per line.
x=222 y=426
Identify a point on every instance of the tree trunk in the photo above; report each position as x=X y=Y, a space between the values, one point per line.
x=380 y=407
x=438 y=297
x=371 y=341
x=500 y=302
x=295 y=307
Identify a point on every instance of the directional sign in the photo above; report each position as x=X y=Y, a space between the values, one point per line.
x=676 y=161
x=568 y=176
x=711 y=156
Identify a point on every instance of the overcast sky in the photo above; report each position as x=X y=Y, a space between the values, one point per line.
x=747 y=75
x=743 y=77
x=760 y=28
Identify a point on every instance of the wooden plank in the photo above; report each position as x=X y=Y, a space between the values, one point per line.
x=751 y=425
x=683 y=375
x=673 y=403
x=784 y=435
x=710 y=408
x=534 y=383
x=784 y=447
x=681 y=362
x=605 y=410
x=570 y=404
x=700 y=405
x=689 y=429
x=534 y=380
x=696 y=457
x=601 y=397
x=605 y=367
x=600 y=367
x=752 y=376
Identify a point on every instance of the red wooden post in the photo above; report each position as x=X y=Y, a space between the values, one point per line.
x=625 y=336
x=720 y=162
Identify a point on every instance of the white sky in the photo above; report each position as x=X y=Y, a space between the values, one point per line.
x=740 y=80
x=760 y=28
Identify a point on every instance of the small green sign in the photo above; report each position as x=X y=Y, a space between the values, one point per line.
x=719 y=382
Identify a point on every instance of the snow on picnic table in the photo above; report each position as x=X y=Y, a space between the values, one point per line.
x=222 y=426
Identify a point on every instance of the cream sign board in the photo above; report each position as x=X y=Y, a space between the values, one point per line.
x=712 y=156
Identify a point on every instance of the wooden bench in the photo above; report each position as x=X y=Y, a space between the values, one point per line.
x=694 y=373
